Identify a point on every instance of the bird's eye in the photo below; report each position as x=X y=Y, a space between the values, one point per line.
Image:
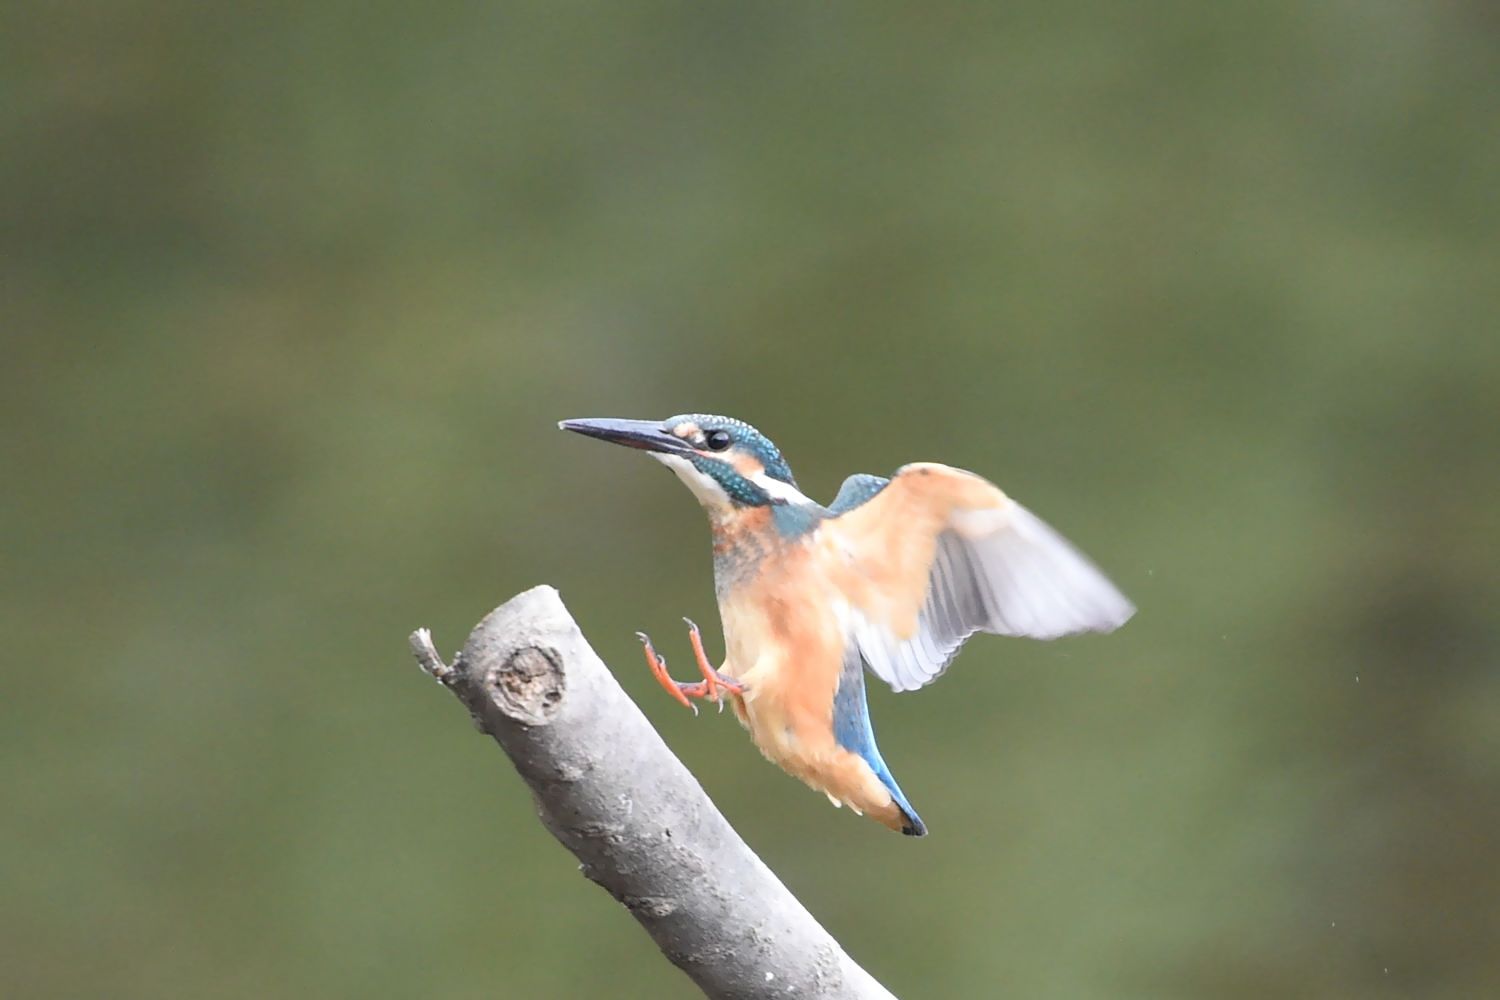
x=716 y=440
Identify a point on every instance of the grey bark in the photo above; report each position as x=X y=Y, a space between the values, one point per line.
x=611 y=791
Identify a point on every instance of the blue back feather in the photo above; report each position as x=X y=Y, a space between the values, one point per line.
x=858 y=490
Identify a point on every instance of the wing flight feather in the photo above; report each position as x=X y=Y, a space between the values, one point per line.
x=938 y=554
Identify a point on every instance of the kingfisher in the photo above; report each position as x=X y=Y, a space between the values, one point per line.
x=892 y=578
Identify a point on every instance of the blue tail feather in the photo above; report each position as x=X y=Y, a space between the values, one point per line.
x=853 y=732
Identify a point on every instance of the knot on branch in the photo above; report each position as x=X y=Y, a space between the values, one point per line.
x=528 y=687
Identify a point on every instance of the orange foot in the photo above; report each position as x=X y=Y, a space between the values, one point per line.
x=713 y=685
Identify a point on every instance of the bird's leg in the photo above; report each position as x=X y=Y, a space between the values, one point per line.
x=711 y=677
x=709 y=687
x=677 y=689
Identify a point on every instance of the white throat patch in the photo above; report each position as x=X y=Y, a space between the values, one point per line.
x=709 y=493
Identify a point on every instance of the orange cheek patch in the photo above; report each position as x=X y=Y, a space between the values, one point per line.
x=746 y=465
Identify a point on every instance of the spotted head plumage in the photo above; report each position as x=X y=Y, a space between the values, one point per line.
x=732 y=450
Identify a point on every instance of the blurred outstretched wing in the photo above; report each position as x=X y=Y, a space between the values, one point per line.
x=937 y=554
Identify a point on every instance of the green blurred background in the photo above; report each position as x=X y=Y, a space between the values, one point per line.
x=294 y=294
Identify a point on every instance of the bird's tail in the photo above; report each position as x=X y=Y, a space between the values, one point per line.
x=904 y=818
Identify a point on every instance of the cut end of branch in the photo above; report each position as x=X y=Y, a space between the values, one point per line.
x=529 y=687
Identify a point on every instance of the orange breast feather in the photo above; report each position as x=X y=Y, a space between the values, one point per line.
x=786 y=643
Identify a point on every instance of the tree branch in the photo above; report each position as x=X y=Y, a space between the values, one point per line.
x=611 y=791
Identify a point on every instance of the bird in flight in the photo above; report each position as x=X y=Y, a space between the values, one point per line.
x=892 y=577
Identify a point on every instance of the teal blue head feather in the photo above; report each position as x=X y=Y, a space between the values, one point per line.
x=728 y=435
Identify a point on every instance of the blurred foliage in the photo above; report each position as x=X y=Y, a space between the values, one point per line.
x=293 y=294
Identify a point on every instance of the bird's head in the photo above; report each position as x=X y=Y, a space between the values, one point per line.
x=728 y=464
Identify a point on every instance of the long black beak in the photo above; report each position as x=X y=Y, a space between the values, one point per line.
x=646 y=435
